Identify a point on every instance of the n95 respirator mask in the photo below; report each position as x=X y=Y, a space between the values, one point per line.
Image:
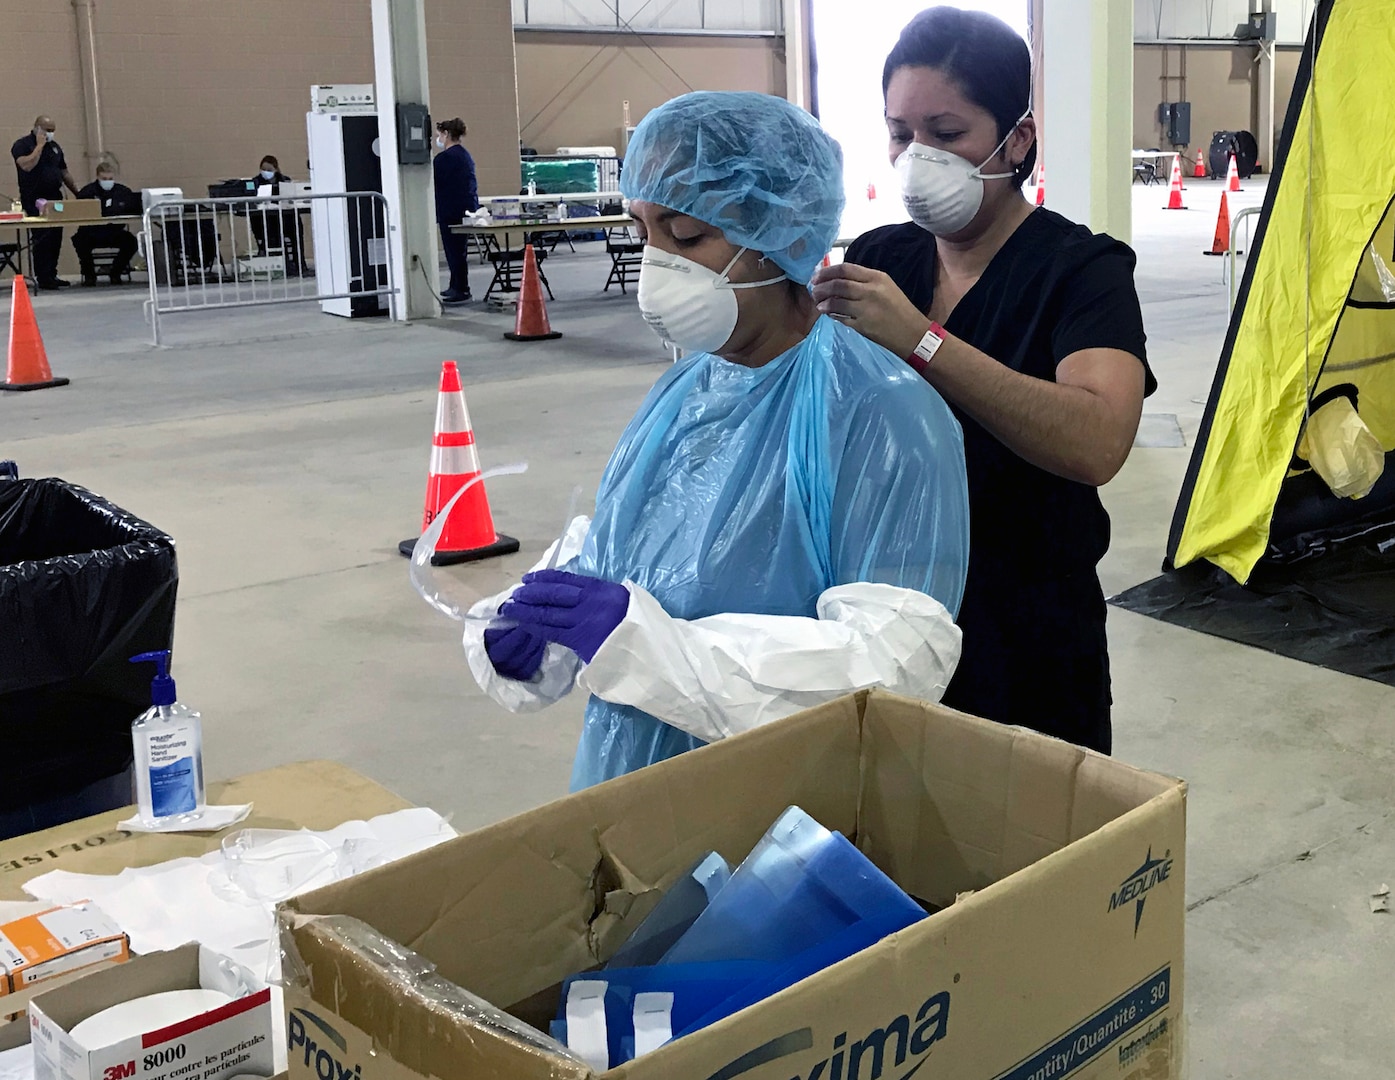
x=687 y=304
x=943 y=191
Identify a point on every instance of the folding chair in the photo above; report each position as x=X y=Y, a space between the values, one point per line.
x=104 y=258
x=1145 y=171
x=626 y=256
x=9 y=257
x=508 y=270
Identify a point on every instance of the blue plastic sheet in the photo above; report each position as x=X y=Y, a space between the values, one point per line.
x=754 y=490
x=802 y=885
x=804 y=899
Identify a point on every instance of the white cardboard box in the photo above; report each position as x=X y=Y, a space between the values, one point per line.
x=233 y=1039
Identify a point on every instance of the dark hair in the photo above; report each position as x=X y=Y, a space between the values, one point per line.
x=986 y=57
x=272 y=158
x=454 y=128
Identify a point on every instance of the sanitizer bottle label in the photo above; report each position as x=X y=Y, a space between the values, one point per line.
x=172 y=781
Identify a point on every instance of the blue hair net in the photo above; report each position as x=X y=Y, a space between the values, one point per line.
x=752 y=165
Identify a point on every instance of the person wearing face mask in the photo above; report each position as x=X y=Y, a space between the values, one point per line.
x=116 y=199
x=457 y=192
x=1030 y=326
x=785 y=518
x=276 y=228
x=43 y=173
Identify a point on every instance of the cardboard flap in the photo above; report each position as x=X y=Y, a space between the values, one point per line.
x=66 y=1006
x=420 y=1035
x=952 y=803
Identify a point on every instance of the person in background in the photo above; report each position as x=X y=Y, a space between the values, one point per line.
x=116 y=199
x=43 y=173
x=276 y=228
x=1029 y=324
x=457 y=192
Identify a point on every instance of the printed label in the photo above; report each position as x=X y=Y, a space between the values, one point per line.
x=75 y=927
x=172 y=771
x=1091 y=1038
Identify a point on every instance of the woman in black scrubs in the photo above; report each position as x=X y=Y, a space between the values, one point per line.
x=1029 y=325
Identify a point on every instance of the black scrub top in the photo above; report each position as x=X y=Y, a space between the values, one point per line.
x=44 y=180
x=1033 y=614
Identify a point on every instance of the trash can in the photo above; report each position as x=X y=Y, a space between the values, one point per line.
x=84 y=586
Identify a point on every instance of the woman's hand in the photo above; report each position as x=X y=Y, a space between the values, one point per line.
x=574 y=610
x=872 y=304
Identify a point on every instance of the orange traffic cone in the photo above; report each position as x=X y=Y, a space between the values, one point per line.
x=1199 y=172
x=530 y=322
x=1232 y=176
x=1174 y=195
x=469 y=534
x=1041 y=184
x=28 y=365
x=1221 y=244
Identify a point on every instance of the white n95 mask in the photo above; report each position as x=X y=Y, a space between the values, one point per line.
x=942 y=191
x=687 y=304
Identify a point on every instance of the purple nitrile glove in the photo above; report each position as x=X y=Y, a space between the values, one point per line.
x=515 y=653
x=571 y=609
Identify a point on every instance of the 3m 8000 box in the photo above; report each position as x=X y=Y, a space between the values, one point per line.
x=215 y=1042
x=1054 y=950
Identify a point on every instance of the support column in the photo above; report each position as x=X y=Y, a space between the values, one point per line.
x=399 y=65
x=798 y=82
x=84 y=11
x=1038 y=25
x=1088 y=133
x=1264 y=112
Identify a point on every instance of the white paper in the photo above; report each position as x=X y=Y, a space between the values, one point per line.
x=17 y=1064
x=653 y=1017
x=183 y=900
x=213 y=819
x=586 y=1029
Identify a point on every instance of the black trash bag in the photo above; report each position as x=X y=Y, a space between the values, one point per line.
x=84 y=586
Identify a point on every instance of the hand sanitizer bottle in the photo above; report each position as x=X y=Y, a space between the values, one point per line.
x=168 y=740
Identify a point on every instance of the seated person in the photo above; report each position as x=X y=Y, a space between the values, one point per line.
x=785 y=520
x=117 y=199
x=274 y=228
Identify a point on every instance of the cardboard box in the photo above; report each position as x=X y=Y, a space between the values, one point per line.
x=1056 y=949
x=225 y=1042
x=55 y=942
x=74 y=209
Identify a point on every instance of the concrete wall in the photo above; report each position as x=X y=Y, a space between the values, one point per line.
x=40 y=75
x=197 y=90
x=1217 y=83
x=572 y=86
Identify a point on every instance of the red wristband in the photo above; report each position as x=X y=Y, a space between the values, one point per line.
x=929 y=345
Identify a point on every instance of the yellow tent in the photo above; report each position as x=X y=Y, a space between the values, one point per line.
x=1301 y=416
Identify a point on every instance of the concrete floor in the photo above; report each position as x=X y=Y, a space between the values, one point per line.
x=286 y=452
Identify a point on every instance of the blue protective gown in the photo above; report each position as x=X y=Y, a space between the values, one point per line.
x=754 y=490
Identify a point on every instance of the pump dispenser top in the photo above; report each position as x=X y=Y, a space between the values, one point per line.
x=162 y=685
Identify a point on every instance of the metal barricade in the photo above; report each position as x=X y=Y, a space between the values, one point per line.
x=1248 y=212
x=209 y=254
